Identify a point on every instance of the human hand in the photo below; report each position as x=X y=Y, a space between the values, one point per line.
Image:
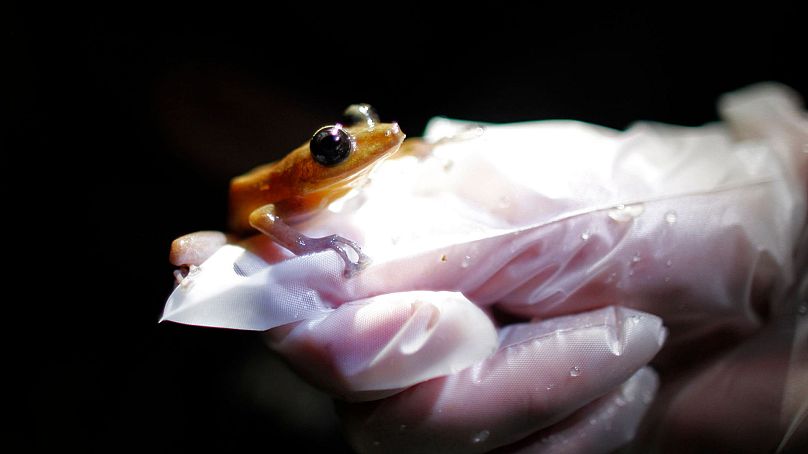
x=694 y=226
x=575 y=383
x=747 y=397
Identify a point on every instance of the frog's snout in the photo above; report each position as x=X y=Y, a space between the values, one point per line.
x=394 y=132
x=378 y=142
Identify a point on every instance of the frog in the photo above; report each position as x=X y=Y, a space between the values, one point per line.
x=272 y=198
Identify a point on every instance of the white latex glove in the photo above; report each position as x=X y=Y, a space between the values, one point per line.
x=563 y=224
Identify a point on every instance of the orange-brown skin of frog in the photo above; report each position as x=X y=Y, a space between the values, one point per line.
x=298 y=187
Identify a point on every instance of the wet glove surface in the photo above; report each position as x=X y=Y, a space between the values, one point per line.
x=579 y=233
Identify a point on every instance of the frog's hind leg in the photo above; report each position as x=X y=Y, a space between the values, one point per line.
x=422 y=148
x=415 y=147
x=266 y=221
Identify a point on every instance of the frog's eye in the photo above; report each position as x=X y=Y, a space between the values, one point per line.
x=331 y=145
x=360 y=114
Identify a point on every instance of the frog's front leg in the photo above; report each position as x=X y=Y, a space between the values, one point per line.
x=266 y=221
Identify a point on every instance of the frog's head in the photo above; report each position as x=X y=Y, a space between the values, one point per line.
x=341 y=155
x=336 y=159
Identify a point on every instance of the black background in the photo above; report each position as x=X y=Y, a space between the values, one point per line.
x=125 y=127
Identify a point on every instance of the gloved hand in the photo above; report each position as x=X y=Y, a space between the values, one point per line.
x=577 y=380
x=515 y=277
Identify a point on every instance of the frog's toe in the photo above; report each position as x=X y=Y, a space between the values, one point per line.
x=353 y=266
x=352 y=269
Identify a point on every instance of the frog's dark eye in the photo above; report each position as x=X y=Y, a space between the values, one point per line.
x=331 y=145
x=360 y=114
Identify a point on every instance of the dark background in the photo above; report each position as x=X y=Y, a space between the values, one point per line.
x=125 y=127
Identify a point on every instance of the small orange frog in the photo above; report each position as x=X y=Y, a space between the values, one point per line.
x=272 y=196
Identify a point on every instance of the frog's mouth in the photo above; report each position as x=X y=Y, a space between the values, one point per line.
x=358 y=178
